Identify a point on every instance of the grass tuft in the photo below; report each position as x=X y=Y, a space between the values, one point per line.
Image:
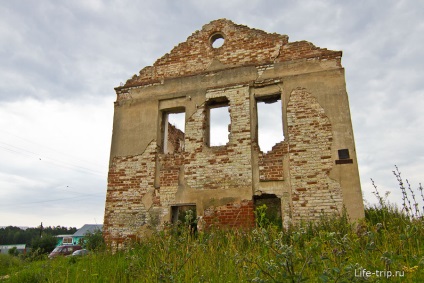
x=388 y=243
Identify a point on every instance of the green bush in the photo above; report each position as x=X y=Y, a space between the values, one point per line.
x=43 y=245
x=94 y=241
x=13 y=251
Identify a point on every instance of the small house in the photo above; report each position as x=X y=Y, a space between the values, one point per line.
x=21 y=248
x=76 y=238
x=84 y=230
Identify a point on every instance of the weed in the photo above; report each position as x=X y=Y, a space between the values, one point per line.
x=388 y=241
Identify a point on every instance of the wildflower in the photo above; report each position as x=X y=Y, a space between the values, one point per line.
x=410 y=269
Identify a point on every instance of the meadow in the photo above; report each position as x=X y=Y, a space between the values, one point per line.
x=388 y=245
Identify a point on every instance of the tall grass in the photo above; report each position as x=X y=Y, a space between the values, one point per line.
x=8 y=262
x=387 y=241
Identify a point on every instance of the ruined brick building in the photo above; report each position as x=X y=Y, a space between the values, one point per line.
x=158 y=171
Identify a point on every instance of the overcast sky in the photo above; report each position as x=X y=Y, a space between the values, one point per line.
x=60 y=60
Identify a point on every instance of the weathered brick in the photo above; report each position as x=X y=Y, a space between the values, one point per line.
x=146 y=181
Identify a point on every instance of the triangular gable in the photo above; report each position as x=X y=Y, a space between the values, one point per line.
x=243 y=46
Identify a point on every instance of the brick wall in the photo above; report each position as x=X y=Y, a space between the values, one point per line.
x=243 y=46
x=231 y=215
x=170 y=168
x=306 y=50
x=310 y=135
x=129 y=180
x=226 y=166
x=142 y=188
x=203 y=167
x=175 y=139
x=271 y=163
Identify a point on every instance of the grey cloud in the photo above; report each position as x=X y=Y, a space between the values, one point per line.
x=75 y=52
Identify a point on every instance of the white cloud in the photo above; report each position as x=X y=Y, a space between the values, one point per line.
x=270 y=127
x=61 y=61
x=55 y=160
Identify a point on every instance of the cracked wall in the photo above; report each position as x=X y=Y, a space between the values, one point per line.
x=310 y=135
x=147 y=183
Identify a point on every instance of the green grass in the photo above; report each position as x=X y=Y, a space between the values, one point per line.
x=387 y=241
x=333 y=250
x=8 y=262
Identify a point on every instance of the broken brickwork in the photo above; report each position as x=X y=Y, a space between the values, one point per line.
x=155 y=168
x=175 y=139
x=271 y=163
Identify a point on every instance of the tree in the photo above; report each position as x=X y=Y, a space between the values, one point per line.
x=94 y=241
x=13 y=251
x=45 y=244
x=12 y=235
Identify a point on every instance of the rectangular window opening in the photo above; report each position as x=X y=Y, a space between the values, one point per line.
x=270 y=204
x=183 y=214
x=173 y=128
x=219 y=123
x=270 y=122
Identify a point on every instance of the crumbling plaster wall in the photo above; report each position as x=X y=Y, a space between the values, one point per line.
x=221 y=181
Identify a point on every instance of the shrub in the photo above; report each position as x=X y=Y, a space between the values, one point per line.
x=13 y=251
x=44 y=245
x=94 y=241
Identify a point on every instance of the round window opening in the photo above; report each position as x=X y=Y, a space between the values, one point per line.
x=217 y=40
